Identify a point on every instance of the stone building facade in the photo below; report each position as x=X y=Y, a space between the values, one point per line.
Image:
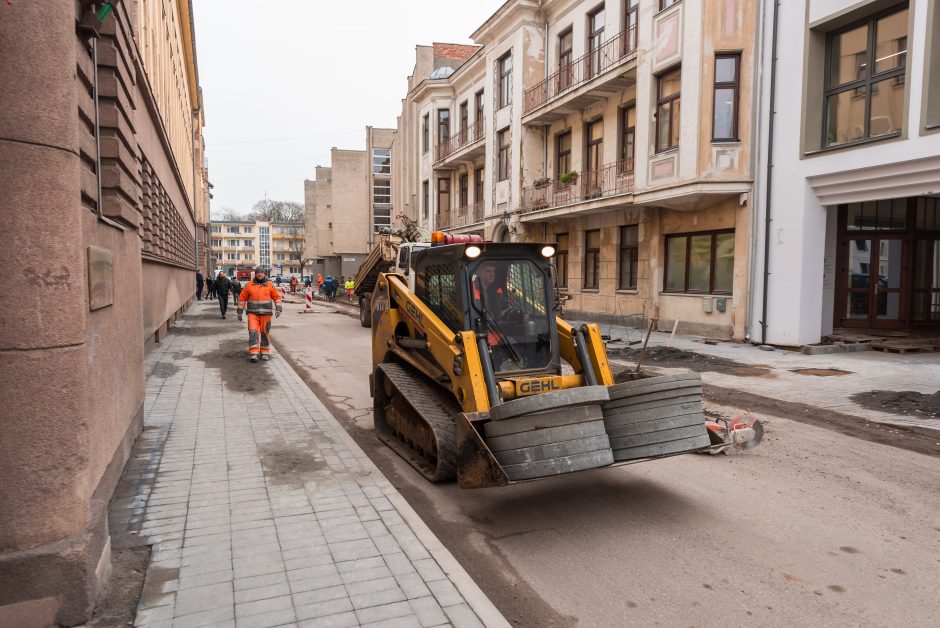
x=621 y=130
x=99 y=137
x=347 y=203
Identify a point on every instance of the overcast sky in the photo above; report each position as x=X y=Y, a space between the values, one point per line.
x=285 y=80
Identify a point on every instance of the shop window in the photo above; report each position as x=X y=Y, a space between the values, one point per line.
x=700 y=262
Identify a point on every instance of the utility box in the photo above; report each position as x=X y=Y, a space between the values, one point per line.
x=707 y=305
x=721 y=304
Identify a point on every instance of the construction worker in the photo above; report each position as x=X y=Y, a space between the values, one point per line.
x=261 y=299
x=293 y=284
x=350 y=287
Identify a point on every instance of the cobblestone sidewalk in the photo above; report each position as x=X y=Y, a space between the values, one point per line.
x=262 y=511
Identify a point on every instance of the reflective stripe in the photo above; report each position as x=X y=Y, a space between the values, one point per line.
x=261 y=307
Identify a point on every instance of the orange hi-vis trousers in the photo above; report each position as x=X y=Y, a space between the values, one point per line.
x=259 y=328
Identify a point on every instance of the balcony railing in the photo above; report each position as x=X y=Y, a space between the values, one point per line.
x=461 y=216
x=609 y=180
x=463 y=137
x=582 y=69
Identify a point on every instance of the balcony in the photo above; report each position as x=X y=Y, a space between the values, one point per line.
x=460 y=217
x=614 y=179
x=585 y=80
x=465 y=144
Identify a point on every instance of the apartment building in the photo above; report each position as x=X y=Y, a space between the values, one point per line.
x=246 y=244
x=620 y=130
x=849 y=188
x=100 y=137
x=347 y=203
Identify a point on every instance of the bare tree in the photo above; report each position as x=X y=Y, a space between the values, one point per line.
x=227 y=213
x=277 y=211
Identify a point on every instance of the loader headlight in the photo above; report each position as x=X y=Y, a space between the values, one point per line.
x=472 y=251
x=548 y=251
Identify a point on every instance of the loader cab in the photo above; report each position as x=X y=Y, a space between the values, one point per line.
x=502 y=291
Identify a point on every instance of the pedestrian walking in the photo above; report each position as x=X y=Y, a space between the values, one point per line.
x=222 y=287
x=236 y=289
x=261 y=299
x=307 y=281
x=199 y=283
x=210 y=288
x=293 y=284
x=350 y=287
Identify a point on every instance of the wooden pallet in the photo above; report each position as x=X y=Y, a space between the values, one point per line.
x=903 y=347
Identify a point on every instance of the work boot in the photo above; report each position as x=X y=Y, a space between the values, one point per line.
x=254 y=357
x=264 y=357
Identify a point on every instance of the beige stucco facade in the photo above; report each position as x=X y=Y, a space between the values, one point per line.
x=579 y=71
x=100 y=239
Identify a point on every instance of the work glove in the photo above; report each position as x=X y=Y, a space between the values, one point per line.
x=277 y=311
x=239 y=317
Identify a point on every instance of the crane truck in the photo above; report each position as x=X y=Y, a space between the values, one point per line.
x=476 y=379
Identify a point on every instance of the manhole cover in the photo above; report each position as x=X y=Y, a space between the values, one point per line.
x=822 y=372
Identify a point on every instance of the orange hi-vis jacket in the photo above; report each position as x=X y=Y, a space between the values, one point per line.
x=259 y=298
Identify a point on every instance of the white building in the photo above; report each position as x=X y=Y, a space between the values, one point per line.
x=852 y=189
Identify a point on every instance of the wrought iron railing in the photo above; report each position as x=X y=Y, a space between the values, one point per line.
x=582 y=69
x=460 y=216
x=609 y=180
x=463 y=137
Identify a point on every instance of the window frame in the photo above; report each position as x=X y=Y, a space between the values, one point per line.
x=425 y=198
x=443 y=125
x=736 y=102
x=479 y=106
x=443 y=191
x=590 y=253
x=565 y=58
x=478 y=181
x=463 y=190
x=671 y=100
x=561 y=259
x=634 y=259
x=559 y=153
x=713 y=233
x=665 y=4
x=595 y=40
x=502 y=155
x=505 y=80
x=625 y=130
x=865 y=83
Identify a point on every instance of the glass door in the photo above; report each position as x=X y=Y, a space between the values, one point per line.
x=874 y=282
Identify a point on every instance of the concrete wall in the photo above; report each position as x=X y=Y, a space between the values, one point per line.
x=351 y=219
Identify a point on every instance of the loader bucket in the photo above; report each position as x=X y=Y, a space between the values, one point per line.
x=476 y=465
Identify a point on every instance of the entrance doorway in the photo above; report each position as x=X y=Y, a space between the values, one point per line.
x=889 y=264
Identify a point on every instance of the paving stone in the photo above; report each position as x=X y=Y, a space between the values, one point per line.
x=378 y=598
x=266 y=620
x=203 y=598
x=445 y=592
x=428 y=611
x=324 y=608
x=340 y=620
x=384 y=612
x=429 y=569
x=205 y=618
x=462 y=616
x=263 y=606
x=260 y=581
x=261 y=593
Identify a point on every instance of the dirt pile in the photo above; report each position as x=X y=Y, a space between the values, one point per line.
x=900 y=402
x=679 y=358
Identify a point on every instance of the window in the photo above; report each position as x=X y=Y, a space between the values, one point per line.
x=381 y=191
x=628 y=257
x=281 y=257
x=478 y=185
x=248 y=242
x=232 y=256
x=443 y=125
x=864 y=93
x=504 y=65
x=437 y=288
x=725 y=99
x=595 y=41
x=479 y=107
x=425 y=197
x=563 y=154
x=425 y=131
x=627 y=138
x=464 y=190
x=231 y=229
x=381 y=161
x=631 y=14
x=233 y=242
x=665 y=4
x=565 y=56
x=594 y=134
x=669 y=86
x=464 y=121
x=561 y=259
x=700 y=262
x=218 y=256
x=443 y=194
x=502 y=142
x=248 y=230
x=381 y=217
x=592 y=254
x=216 y=229
x=216 y=242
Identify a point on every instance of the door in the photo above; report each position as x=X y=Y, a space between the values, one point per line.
x=873 y=275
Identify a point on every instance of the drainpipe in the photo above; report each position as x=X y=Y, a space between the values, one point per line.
x=195 y=201
x=770 y=164
x=545 y=65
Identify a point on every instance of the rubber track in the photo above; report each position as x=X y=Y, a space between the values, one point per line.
x=436 y=410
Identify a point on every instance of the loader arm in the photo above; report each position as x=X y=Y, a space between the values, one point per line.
x=594 y=346
x=447 y=357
